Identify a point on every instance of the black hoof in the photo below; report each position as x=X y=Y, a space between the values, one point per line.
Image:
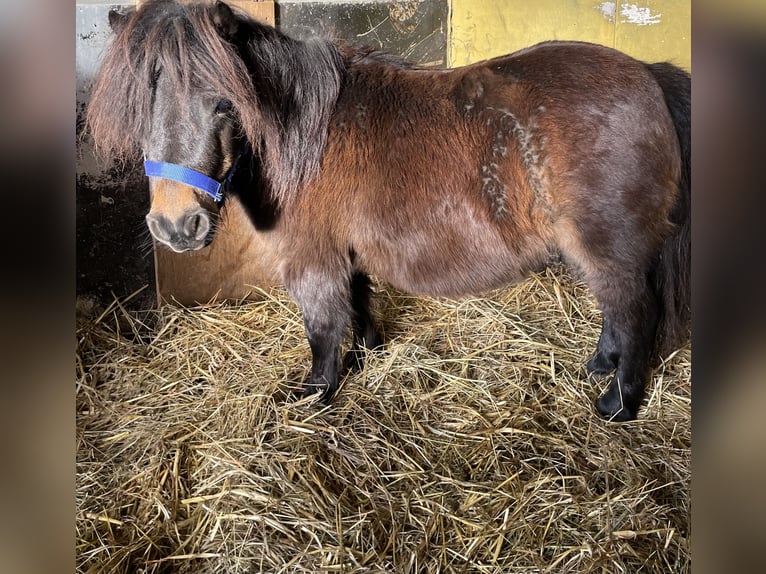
x=326 y=392
x=620 y=415
x=614 y=407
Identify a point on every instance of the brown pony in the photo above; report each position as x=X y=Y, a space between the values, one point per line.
x=439 y=182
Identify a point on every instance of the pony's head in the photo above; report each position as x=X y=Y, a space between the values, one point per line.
x=194 y=86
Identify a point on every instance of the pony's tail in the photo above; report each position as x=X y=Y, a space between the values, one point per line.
x=673 y=270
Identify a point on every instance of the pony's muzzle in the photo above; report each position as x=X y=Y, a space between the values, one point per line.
x=189 y=232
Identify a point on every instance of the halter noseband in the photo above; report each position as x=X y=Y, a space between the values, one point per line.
x=192 y=177
x=185 y=175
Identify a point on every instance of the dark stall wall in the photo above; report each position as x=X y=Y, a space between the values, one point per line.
x=416 y=30
x=113 y=252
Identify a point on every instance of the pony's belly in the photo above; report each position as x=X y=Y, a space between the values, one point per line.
x=450 y=268
x=455 y=282
x=443 y=242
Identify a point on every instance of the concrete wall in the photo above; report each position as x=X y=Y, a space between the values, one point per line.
x=93 y=35
x=650 y=30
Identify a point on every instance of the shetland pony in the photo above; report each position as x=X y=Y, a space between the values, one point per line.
x=439 y=182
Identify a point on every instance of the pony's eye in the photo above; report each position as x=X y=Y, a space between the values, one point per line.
x=223 y=106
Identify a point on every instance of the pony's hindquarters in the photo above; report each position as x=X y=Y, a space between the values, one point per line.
x=625 y=225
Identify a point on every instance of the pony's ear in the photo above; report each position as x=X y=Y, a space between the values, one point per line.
x=225 y=21
x=117 y=20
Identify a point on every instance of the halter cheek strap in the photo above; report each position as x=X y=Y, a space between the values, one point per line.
x=186 y=175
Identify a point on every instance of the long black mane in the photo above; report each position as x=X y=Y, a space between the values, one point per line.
x=283 y=91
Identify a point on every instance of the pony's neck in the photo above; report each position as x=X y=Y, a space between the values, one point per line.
x=297 y=85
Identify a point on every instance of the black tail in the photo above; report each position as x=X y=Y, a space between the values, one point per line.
x=673 y=271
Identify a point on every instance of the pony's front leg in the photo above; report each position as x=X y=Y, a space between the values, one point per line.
x=325 y=303
x=365 y=332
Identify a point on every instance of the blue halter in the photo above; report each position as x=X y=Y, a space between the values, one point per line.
x=192 y=177
x=185 y=175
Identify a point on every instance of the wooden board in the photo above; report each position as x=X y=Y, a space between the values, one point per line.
x=259 y=9
x=237 y=261
x=262 y=11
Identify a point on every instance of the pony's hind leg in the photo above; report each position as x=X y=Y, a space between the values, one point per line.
x=631 y=314
x=365 y=334
x=616 y=261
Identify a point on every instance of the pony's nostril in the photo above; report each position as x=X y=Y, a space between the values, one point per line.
x=197 y=225
x=158 y=227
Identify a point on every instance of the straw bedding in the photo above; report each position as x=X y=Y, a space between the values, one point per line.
x=469 y=443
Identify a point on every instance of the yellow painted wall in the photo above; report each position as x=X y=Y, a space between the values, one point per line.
x=650 y=30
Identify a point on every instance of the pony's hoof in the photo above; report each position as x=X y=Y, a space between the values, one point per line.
x=613 y=409
x=308 y=390
x=326 y=391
